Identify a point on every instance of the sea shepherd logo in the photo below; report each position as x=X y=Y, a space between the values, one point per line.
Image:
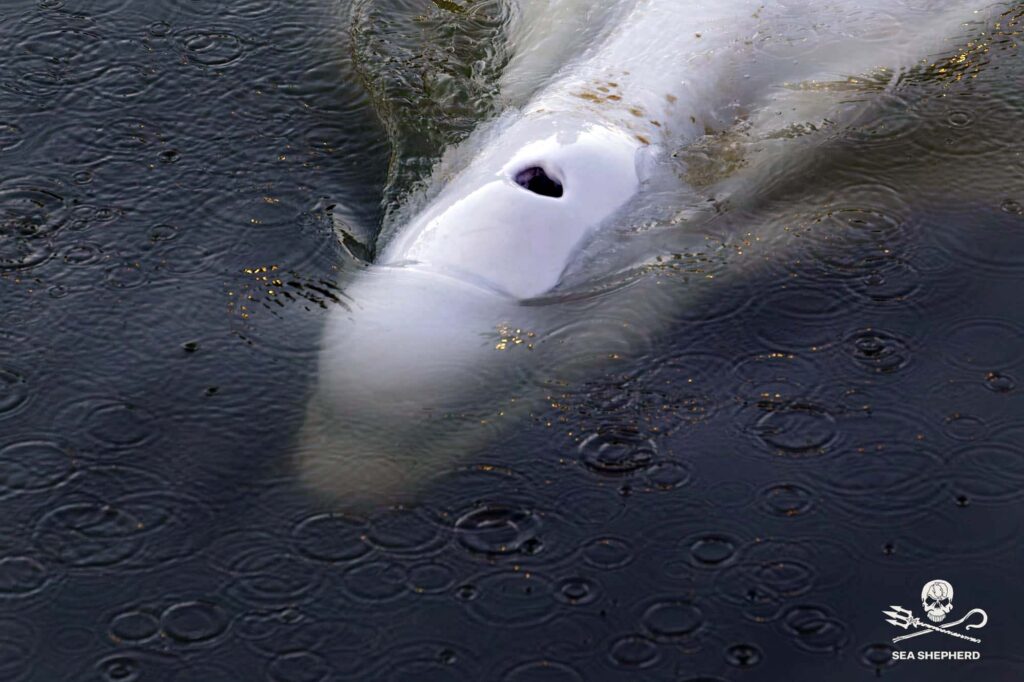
x=937 y=602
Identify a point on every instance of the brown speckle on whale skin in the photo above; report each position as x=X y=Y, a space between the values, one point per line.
x=696 y=35
x=643 y=139
x=672 y=99
x=614 y=98
x=589 y=96
x=612 y=84
x=693 y=119
x=636 y=111
x=656 y=124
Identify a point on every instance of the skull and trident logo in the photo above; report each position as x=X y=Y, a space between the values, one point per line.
x=937 y=602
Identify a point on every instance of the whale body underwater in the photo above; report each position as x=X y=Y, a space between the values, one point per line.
x=474 y=302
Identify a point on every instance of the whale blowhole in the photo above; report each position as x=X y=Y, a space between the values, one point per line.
x=537 y=180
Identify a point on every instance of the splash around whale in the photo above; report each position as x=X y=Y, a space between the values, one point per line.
x=450 y=336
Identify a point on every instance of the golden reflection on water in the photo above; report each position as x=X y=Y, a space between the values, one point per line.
x=510 y=337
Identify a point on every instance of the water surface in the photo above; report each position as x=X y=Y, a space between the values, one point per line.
x=739 y=498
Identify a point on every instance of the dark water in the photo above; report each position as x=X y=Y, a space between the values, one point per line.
x=810 y=446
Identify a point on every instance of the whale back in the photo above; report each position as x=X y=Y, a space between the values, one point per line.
x=438 y=352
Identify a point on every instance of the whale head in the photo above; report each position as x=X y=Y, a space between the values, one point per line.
x=515 y=216
x=417 y=369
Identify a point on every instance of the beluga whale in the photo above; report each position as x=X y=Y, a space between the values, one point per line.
x=479 y=295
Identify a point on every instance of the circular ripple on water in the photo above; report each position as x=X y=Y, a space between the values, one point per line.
x=250 y=9
x=576 y=591
x=331 y=537
x=514 y=599
x=608 y=553
x=788 y=35
x=267 y=577
x=275 y=631
x=983 y=343
x=872 y=486
x=239 y=545
x=34 y=465
x=17 y=253
x=213 y=48
x=928 y=538
x=430 y=578
x=121 y=83
x=194 y=622
x=810 y=551
x=118 y=515
x=457 y=489
x=635 y=652
x=964 y=427
x=34 y=72
x=800 y=316
x=18 y=648
x=874 y=420
x=667 y=476
x=377 y=582
x=206 y=671
x=407 y=532
x=990 y=472
x=775 y=377
x=298 y=666
x=591 y=506
x=814 y=628
x=11 y=136
x=785 y=577
x=617 y=452
x=89 y=535
x=743 y=655
x=112 y=423
x=740 y=585
x=889 y=282
x=350 y=645
x=863 y=229
x=94 y=9
x=869 y=25
x=441 y=667
x=125 y=275
x=889 y=120
x=22 y=576
x=709 y=550
x=877 y=657
x=496 y=529
x=679 y=391
x=877 y=351
x=82 y=254
x=673 y=619
x=430 y=660
x=773 y=572
x=81 y=144
x=799 y=428
x=542 y=671
x=968 y=409
x=789 y=500
x=31 y=209
x=997 y=382
x=190 y=9
x=951 y=133
x=133 y=626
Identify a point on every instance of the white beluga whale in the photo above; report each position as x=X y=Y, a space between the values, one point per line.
x=466 y=310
